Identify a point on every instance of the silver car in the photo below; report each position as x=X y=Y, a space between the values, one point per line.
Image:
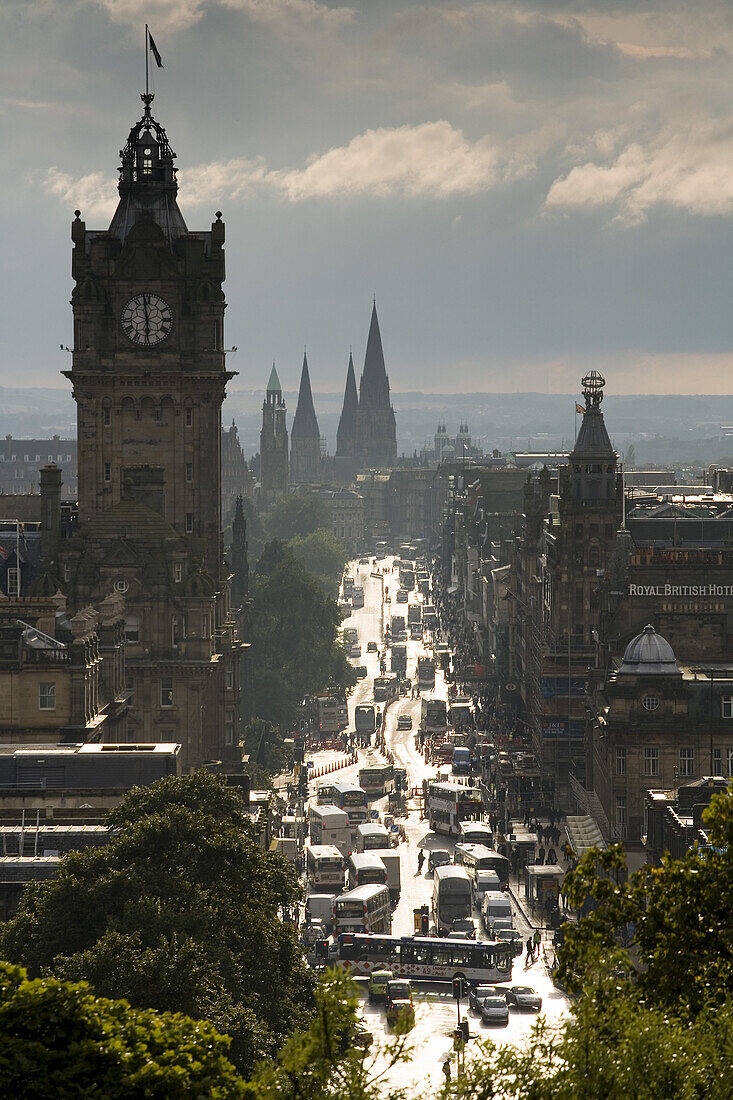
x=524 y=997
x=494 y=1010
x=478 y=994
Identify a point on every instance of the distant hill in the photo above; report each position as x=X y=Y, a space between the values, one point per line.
x=663 y=428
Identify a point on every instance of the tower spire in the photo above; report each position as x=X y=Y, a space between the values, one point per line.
x=346 y=434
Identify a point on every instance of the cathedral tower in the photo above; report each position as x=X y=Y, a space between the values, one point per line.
x=305 y=438
x=346 y=434
x=273 y=441
x=376 y=429
x=149 y=378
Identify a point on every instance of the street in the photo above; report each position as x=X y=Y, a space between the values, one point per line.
x=432 y=1038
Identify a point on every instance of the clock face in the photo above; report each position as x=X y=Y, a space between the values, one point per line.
x=147 y=319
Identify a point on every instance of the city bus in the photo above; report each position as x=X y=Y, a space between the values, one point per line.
x=330 y=825
x=384 y=688
x=449 y=804
x=377 y=781
x=324 y=867
x=366 y=869
x=351 y=798
x=452 y=896
x=324 y=793
x=474 y=857
x=333 y=714
x=370 y=835
x=426 y=673
x=433 y=716
x=425 y=959
x=364 y=718
x=365 y=909
x=357 y=597
x=460 y=712
x=475 y=832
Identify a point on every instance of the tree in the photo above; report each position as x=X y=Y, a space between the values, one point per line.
x=58 y=1039
x=266 y=748
x=295 y=649
x=324 y=556
x=296 y=515
x=180 y=914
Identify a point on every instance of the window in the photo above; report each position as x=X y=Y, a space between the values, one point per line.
x=13 y=582
x=189 y=417
x=47 y=696
x=189 y=522
x=166 y=692
x=621 y=816
x=726 y=706
x=174 y=631
x=121 y=585
x=189 y=471
x=25 y=458
x=67 y=571
x=107 y=415
x=108 y=471
x=717 y=761
x=178 y=572
x=204 y=626
x=229 y=727
x=132 y=629
x=687 y=763
x=650 y=702
x=38 y=458
x=620 y=760
x=215 y=335
x=229 y=679
x=729 y=755
x=651 y=761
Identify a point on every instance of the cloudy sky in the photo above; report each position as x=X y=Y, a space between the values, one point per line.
x=529 y=188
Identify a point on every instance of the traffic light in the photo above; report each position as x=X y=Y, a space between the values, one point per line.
x=322 y=949
x=463 y=1029
x=460 y=987
x=424 y=921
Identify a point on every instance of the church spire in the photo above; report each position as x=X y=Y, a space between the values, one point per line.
x=346 y=434
x=374 y=385
x=376 y=429
x=305 y=438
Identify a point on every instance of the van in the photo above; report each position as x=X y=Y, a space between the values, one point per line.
x=485 y=881
x=496 y=906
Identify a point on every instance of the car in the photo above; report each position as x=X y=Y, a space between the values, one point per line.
x=371 y=647
x=495 y=1010
x=361 y=672
x=465 y=927
x=402 y=596
x=378 y=982
x=510 y=935
x=363 y=561
x=438 y=857
x=400 y=1009
x=355 y=650
x=524 y=997
x=404 y=722
x=477 y=994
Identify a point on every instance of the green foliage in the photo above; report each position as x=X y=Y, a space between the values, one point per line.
x=58 y=1040
x=324 y=556
x=295 y=650
x=178 y=913
x=266 y=748
x=296 y=515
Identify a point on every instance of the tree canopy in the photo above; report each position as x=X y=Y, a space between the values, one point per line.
x=179 y=913
x=58 y=1040
x=323 y=555
x=295 y=515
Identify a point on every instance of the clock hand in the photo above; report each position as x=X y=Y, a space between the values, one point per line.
x=147 y=316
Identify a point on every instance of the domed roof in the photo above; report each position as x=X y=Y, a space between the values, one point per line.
x=649 y=654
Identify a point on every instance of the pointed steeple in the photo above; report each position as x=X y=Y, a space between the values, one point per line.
x=374 y=385
x=346 y=434
x=376 y=429
x=305 y=424
x=593 y=459
x=273 y=386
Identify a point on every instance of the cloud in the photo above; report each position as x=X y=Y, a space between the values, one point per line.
x=179 y=15
x=686 y=169
x=94 y=194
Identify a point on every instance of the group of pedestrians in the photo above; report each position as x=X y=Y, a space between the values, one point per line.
x=533 y=945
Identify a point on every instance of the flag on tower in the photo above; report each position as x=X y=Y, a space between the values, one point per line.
x=579 y=408
x=156 y=52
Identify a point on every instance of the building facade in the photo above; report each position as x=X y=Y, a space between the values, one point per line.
x=21 y=461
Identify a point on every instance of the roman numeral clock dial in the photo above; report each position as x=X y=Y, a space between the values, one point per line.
x=147 y=320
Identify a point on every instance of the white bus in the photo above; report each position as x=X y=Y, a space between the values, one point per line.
x=452 y=896
x=351 y=798
x=365 y=909
x=475 y=832
x=450 y=804
x=324 y=867
x=371 y=835
x=357 y=597
x=474 y=857
x=425 y=959
x=366 y=869
x=330 y=825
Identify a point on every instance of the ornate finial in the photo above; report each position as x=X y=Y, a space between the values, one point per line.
x=593 y=384
x=77 y=214
x=147 y=98
x=218 y=215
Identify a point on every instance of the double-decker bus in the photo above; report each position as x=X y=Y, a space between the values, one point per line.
x=324 y=867
x=330 y=825
x=333 y=714
x=364 y=718
x=425 y=958
x=357 y=597
x=407 y=578
x=385 y=687
x=451 y=803
x=371 y=835
x=351 y=798
x=433 y=716
x=398 y=659
x=476 y=832
x=426 y=673
x=452 y=896
x=366 y=869
x=365 y=909
x=460 y=712
x=377 y=781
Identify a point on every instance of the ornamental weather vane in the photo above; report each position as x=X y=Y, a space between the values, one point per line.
x=593 y=383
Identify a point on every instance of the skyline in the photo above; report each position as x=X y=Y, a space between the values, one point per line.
x=531 y=190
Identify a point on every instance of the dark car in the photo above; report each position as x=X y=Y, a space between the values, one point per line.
x=404 y=722
x=371 y=647
x=478 y=994
x=400 y=1009
x=439 y=857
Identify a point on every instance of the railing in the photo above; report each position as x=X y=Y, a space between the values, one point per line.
x=45 y=656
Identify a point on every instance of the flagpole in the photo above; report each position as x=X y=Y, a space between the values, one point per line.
x=147 y=50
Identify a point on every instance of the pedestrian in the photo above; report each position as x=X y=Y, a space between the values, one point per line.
x=530 y=949
x=541 y=855
x=420 y=861
x=552 y=856
x=537 y=938
x=446 y=1071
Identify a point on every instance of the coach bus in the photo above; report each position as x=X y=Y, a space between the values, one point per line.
x=365 y=909
x=425 y=959
x=450 y=804
x=351 y=798
x=324 y=867
x=452 y=896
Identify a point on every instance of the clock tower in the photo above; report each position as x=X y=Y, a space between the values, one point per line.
x=149 y=377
